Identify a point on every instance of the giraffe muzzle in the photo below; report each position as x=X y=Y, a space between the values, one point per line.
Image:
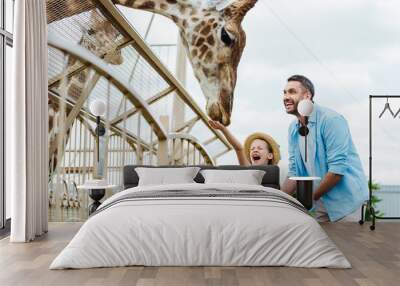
x=218 y=112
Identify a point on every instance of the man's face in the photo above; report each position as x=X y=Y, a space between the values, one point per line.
x=292 y=94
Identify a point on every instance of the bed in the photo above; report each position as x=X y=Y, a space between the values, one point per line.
x=201 y=224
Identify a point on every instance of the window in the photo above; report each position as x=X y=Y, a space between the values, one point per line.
x=8 y=73
x=6 y=45
x=9 y=13
x=2 y=206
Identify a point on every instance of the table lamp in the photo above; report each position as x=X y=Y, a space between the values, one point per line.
x=98 y=108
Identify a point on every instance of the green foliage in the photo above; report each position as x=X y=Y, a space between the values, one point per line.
x=374 y=201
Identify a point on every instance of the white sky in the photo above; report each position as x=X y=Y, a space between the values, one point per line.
x=349 y=49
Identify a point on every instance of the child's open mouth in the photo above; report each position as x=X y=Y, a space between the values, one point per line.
x=256 y=157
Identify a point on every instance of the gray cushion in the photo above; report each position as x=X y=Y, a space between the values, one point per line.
x=270 y=179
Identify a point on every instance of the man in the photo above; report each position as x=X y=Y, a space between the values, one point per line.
x=332 y=156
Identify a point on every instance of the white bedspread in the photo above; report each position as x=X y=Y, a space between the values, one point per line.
x=200 y=231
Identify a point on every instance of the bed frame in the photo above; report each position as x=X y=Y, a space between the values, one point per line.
x=270 y=179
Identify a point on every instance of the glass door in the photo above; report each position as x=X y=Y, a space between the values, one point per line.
x=6 y=65
x=2 y=45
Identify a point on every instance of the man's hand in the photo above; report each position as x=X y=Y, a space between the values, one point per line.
x=289 y=186
x=329 y=181
x=216 y=125
x=317 y=195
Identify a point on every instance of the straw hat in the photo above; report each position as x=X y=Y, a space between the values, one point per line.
x=271 y=142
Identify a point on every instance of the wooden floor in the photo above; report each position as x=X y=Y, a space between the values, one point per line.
x=375 y=256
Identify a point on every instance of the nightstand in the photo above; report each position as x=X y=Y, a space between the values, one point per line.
x=304 y=190
x=96 y=190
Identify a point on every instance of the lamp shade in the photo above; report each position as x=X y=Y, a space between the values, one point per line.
x=305 y=107
x=98 y=107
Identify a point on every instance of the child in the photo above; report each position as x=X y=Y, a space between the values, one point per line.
x=259 y=148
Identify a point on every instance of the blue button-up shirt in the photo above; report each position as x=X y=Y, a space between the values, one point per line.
x=334 y=152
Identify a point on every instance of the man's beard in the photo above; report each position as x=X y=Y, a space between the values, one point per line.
x=294 y=108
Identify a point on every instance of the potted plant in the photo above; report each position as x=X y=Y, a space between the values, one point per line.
x=374 y=201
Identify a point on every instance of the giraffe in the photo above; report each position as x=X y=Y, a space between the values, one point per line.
x=99 y=39
x=212 y=35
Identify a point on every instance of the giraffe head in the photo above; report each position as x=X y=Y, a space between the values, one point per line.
x=101 y=39
x=214 y=41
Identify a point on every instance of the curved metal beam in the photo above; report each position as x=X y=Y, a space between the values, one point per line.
x=195 y=142
x=108 y=71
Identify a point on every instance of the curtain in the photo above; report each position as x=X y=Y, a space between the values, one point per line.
x=27 y=124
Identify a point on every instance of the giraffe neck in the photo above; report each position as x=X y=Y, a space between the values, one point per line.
x=178 y=11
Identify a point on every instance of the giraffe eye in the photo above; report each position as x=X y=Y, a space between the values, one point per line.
x=226 y=38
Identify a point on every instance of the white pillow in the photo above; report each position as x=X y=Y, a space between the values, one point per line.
x=166 y=176
x=248 y=177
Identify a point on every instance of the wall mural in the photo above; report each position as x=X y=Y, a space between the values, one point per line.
x=214 y=40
